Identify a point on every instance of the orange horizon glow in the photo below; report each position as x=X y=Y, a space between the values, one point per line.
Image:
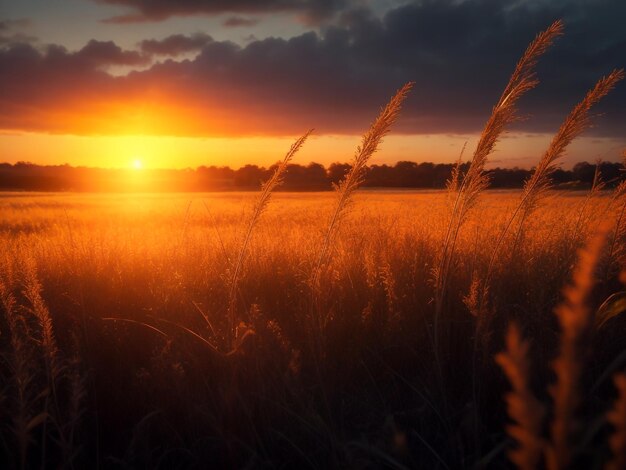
x=153 y=151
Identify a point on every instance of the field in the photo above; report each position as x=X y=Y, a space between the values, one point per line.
x=117 y=347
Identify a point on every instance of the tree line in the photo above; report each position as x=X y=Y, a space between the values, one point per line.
x=24 y=176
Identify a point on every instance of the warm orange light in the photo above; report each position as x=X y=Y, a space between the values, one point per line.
x=137 y=165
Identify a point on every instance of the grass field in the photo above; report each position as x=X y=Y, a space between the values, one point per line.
x=116 y=345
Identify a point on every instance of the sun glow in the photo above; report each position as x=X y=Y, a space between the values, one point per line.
x=137 y=165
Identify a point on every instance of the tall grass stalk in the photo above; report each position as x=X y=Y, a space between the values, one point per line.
x=576 y=122
x=575 y=319
x=453 y=183
x=346 y=188
x=619 y=230
x=22 y=366
x=524 y=409
x=32 y=291
x=354 y=178
x=33 y=294
x=617 y=418
x=597 y=185
x=259 y=208
x=475 y=180
x=539 y=182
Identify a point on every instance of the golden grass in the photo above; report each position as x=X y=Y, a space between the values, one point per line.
x=539 y=183
x=354 y=178
x=575 y=318
x=523 y=407
x=575 y=123
x=259 y=207
x=122 y=266
x=475 y=181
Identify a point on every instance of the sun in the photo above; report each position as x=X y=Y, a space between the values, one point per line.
x=137 y=165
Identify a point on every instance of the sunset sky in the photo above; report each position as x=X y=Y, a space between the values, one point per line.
x=228 y=82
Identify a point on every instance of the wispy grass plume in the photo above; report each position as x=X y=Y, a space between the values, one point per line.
x=575 y=318
x=584 y=215
x=539 y=182
x=454 y=182
x=524 y=409
x=33 y=294
x=576 y=122
x=351 y=182
x=22 y=393
x=259 y=208
x=475 y=180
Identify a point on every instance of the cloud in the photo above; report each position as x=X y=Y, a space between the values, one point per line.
x=460 y=54
x=12 y=25
x=175 y=45
x=151 y=10
x=105 y=53
x=237 y=21
x=11 y=31
x=15 y=38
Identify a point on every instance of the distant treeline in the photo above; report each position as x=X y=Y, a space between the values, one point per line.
x=312 y=177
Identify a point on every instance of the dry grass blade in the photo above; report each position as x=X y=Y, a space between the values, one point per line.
x=523 y=407
x=575 y=319
x=475 y=181
x=536 y=186
x=576 y=122
x=260 y=206
x=452 y=185
x=617 y=418
x=369 y=145
x=620 y=190
x=524 y=70
x=584 y=215
x=22 y=368
x=598 y=184
x=616 y=248
x=32 y=292
x=136 y=322
x=613 y=306
x=504 y=113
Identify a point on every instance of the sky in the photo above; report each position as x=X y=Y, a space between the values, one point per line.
x=183 y=83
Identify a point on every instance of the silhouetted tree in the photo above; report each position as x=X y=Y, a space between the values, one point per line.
x=306 y=178
x=336 y=172
x=27 y=176
x=249 y=176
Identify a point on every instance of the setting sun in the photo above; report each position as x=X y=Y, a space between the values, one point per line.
x=137 y=165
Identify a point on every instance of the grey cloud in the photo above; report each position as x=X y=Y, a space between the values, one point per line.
x=158 y=10
x=176 y=44
x=11 y=31
x=104 y=53
x=239 y=21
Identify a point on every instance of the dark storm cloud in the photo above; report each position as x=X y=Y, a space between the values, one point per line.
x=175 y=45
x=460 y=54
x=104 y=53
x=238 y=21
x=158 y=10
